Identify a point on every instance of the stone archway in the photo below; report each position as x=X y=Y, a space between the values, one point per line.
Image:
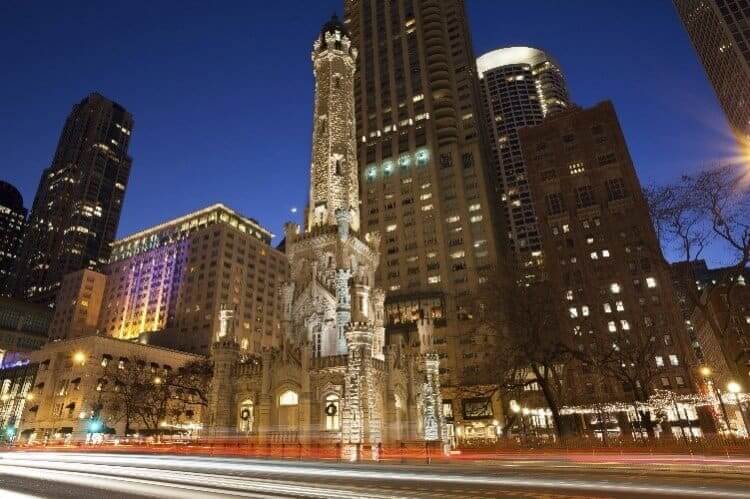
x=287 y=414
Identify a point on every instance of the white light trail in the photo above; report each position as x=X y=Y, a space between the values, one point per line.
x=185 y=471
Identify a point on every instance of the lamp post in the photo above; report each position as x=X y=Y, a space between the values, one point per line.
x=706 y=373
x=516 y=410
x=734 y=388
x=524 y=413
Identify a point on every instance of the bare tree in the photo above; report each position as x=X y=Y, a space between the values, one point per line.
x=189 y=385
x=137 y=391
x=710 y=208
x=121 y=393
x=529 y=341
x=626 y=357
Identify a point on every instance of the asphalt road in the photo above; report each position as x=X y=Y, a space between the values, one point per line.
x=94 y=475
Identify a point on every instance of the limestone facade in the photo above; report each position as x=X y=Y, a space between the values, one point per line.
x=333 y=379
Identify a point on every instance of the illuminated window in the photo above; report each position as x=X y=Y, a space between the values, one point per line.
x=674 y=360
x=288 y=398
x=607 y=308
x=620 y=307
x=612 y=326
x=615 y=288
x=650 y=282
x=569 y=295
x=605 y=253
x=573 y=311
x=625 y=325
x=576 y=168
x=585 y=311
x=659 y=361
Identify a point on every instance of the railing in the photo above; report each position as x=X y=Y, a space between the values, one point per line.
x=329 y=361
x=706 y=445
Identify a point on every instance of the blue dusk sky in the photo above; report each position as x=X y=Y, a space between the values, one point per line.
x=221 y=92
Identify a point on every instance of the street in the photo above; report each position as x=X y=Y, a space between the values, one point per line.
x=79 y=475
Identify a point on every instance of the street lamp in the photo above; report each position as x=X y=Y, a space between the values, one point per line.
x=734 y=388
x=516 y=410
x=79 y=358
x=706 y=373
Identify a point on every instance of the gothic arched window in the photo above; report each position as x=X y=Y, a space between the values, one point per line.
x=331 y=410
x=246 y=416
x=288 y=415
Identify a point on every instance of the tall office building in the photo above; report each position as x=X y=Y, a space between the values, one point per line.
x=12 y=224
x=720 y=32
x=602 y=255
x=172 y=281
x=78 y=202
x=424 y=180
x=520 y=87
x=77 y=305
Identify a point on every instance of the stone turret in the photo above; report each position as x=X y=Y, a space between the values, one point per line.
x=361 y=425
x=334 y=184
x=433 y=423
x=225 y=354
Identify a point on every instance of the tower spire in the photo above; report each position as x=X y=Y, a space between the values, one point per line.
x=334 y=183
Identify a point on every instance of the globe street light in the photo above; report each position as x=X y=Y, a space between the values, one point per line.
x=79 y=358
x=706 y=373
x=734 y=388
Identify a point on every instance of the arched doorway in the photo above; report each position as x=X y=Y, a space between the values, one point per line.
x=397 y=425
x=288 y=411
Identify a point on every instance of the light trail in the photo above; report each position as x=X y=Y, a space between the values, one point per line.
x=152 y=481
x=224 y=477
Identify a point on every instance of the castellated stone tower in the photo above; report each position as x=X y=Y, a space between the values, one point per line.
x=225 y=353
x=433 y=423
x=332 y=307
x=334 y=185
x=331 y=380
